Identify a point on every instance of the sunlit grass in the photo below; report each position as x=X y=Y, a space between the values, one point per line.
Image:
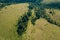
x=42 y=30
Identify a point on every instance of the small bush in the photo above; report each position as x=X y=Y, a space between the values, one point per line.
x=33 y=20
x=21 y=28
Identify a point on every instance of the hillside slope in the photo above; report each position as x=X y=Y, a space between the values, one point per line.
x=42 y=30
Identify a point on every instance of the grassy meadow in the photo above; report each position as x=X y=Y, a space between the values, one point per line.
x=42 y=30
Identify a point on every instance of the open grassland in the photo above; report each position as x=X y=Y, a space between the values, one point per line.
x=42 y=30
x=8 y=20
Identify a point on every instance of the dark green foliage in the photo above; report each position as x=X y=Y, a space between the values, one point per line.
x=47 y=17
x=55 y=5
x=21 y=28
x=30 y=7
x=33 y=20
x=29 y=13
x=38 y=15
x=22 y=23
x=51 y=20
x=2 y=5
x=52 y=12
x=25 y=18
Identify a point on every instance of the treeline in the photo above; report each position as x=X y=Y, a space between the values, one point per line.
x=22 y=23
x=51 y=20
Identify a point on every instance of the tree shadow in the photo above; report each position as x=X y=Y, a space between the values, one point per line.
x=55 y=5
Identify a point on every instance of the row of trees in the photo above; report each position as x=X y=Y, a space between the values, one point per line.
x=22 y=23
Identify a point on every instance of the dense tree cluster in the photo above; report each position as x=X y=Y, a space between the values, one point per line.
x=22 y=23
